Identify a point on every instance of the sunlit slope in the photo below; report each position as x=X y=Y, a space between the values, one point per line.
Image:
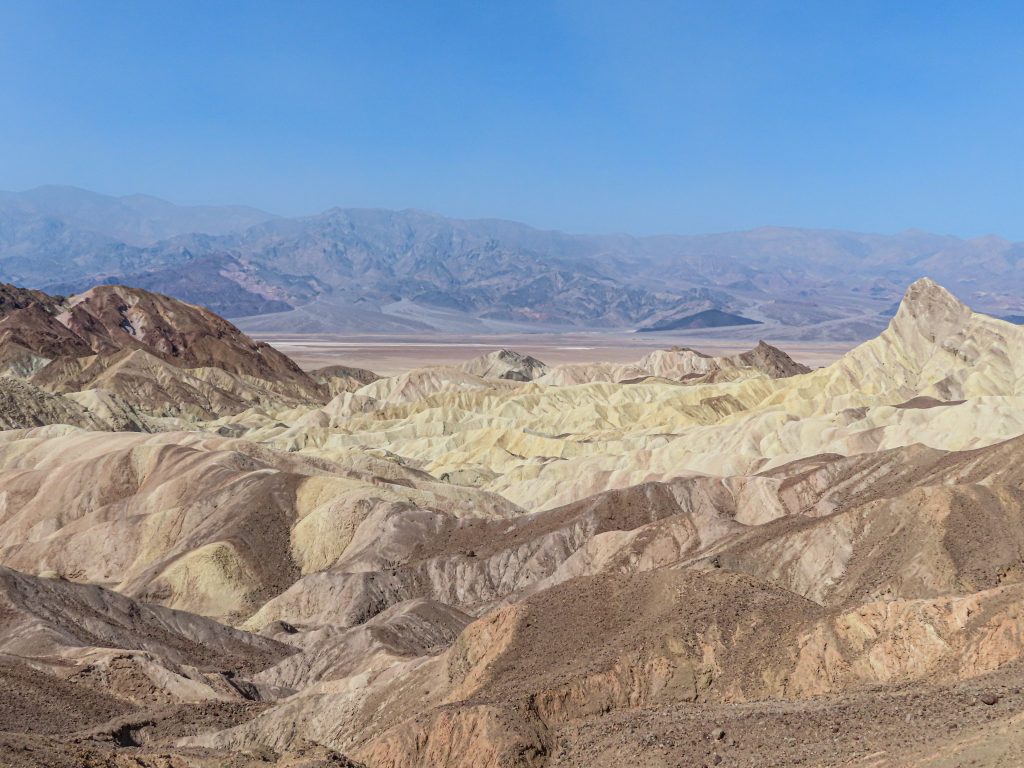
x=542 y=444
x=206 y=524
x=475 y=566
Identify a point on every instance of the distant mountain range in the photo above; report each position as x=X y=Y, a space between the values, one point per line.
x=357 y=270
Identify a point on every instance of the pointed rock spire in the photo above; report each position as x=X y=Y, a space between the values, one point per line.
x=929 y=310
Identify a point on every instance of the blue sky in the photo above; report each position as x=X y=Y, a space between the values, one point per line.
x=586 y=116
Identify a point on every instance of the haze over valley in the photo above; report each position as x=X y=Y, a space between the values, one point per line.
x=357 y=271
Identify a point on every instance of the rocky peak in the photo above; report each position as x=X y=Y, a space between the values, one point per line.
x=925 y=292
x=772 y=361
x=65 y=345
x=506 y=364
x=929 y=310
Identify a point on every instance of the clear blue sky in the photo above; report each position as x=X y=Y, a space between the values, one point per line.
x=586 y=116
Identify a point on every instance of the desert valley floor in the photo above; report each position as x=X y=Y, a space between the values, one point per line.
x=394 y=355
x=216 y=551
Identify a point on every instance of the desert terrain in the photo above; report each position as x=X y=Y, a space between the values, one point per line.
x=511 y=384
x=393 y=355
x=559 y=550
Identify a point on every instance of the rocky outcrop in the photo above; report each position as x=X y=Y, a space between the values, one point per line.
x=683 y=365
x=159 y=355
x=506 y=364
x=337 y=379
x=23 y=405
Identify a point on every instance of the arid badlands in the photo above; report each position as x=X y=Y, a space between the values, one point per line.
x=212 y=557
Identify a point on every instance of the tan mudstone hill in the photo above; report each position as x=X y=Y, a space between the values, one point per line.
x=498 y=565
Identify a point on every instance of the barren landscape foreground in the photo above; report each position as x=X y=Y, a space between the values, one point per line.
x=213 y=556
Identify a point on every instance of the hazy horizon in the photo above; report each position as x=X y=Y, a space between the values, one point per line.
x=309 y=214
x=582 y=117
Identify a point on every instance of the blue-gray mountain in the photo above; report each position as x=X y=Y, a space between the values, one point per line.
x=406 y=271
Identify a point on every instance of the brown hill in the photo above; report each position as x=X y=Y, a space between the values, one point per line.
x=701 y=592
x=636 y=602
x=727 y=562
x=708 y=318
x=162 y=355
x=342 y=378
